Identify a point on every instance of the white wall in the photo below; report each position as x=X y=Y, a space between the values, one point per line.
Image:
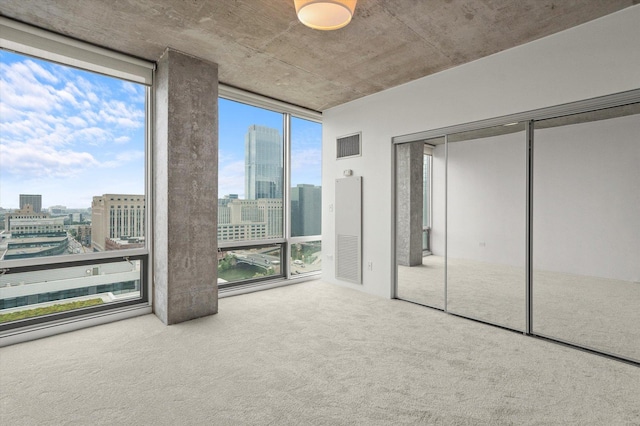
x=594 y=59
x=486 y=201
x=587 y=199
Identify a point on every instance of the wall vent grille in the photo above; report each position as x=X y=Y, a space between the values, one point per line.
x=348 y=262
x=349 y=146
x=348 y=214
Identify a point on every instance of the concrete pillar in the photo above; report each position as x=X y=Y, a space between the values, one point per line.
x=409 y=164
x=185 y=172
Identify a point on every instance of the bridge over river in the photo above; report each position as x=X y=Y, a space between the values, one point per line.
x=264 y=261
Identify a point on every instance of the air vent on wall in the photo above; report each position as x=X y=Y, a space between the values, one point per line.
x=349 y=146
x=348 y=226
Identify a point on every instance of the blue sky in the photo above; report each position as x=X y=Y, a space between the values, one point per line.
x=234 y=121
x=69 y=135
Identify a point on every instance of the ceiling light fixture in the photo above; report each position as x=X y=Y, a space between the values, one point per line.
x=325 y=14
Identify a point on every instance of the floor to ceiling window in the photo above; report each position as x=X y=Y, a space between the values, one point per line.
x=269 y=206
x=305 y=201
x=73 y=178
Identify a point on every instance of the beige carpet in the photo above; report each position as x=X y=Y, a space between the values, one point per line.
x=311 y=354
x=598 y=313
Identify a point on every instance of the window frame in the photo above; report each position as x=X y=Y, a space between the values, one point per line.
x=34 y=42
x=288 y=111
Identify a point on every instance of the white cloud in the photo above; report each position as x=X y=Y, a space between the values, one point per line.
x=31 y=161
x=85 y=85
x=122 y=158
x=40 y=72
x=73 y=89
x=231 y=179
x=20 y=87
x=45 y=118
x=53 y=119
x=306 y=159
x=76 y=121
x=22 y=127
x=92 y=135
x=7 y=113
x=122 y=114
x=306 y=166
x=225 y=157
x=89 y=115
x=122 y=139
x=128 y=122
x=131 y=88
x=127 y=156
x=67 y=97
x=22 y=94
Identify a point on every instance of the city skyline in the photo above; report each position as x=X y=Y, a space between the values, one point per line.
x=66 y=133
x=236 y=118
x=259 y=214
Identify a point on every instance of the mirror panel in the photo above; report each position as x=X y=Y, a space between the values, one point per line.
x=586 y=230
x=420 y=192
x=486 y=224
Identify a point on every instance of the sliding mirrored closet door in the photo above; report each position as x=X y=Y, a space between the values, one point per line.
x=586 y=230
x=530 y=222
x=420 y=221
x=486 y=224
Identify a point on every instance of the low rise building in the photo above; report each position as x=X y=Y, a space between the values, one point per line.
x=244 y=220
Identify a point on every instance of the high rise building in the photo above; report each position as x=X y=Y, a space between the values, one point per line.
x=34 y=200
x=116 y=216
x=306 y=213
x=263 y=163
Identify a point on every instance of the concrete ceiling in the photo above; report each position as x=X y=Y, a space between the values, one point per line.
x=260 y=45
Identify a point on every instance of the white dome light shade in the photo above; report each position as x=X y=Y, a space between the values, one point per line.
x=325 y=14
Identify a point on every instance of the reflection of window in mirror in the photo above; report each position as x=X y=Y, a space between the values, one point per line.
x=420 y=222
x=426 y=197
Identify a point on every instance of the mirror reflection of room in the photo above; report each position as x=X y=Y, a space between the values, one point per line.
x=586 y=229
x=420 y=226
x=471 y=226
